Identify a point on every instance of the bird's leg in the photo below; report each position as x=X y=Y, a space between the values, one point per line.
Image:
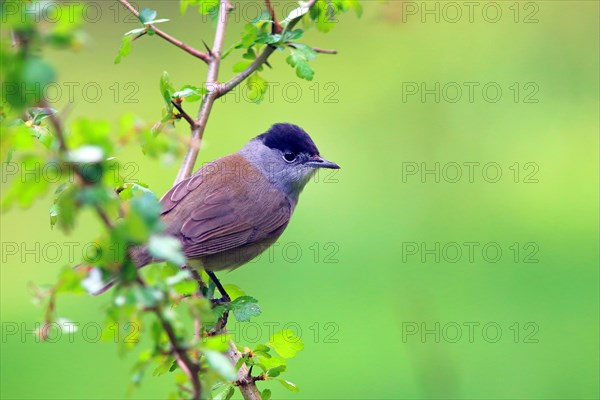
x=224 y=296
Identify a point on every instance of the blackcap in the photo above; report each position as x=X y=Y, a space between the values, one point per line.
x=234 y=208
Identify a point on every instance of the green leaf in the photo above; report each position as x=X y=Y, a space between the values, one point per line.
x=288 y=385
x=31 y=186
x=250 y=54
x=276 y=371
x=296 y=13
x=166 y=89
x=242 y=65
x=166 y=248
x=181 y=283
x=131 y=189
x=146 y=296
x=217 y=343
x=135 y=31
x=38 y=114
x=285 y=343
x=125 y=48
x=324 y=13
x=147 y=206
x=190 y=93
x=220 y=364
x=233 y=291
x=37 y=73
x=299 y=58
x=147 y=15
x=244 y=308
x=70 y=280
x=225 y=394
x=164 y=366
x=292 y=35
x=257 y=88
x=269 y=362
x=249 y=35
x=266 y=394
x=355 y=5
x=156 y=21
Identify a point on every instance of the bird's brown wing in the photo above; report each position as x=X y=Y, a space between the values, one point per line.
x=218 y=210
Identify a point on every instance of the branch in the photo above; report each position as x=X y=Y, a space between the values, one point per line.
x=246 y=383
x=317 y=49
x=196 y=53
x=208 y=100
x=183 y=114
x=236 y=80
x=217 y=90
x=185 y=363
x=62 y=146
x=324 y=51
x=276 y=27
x=189 y=367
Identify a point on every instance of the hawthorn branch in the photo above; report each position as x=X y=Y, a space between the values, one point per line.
x=208 y=100
x=260 y=60
x=183 y=114
x=324 y=51
x=276 y=26
x=246 y=382
x=186 y=364
x=62 y=146
x=188 y=49
x=189 y=367
x=217 y=90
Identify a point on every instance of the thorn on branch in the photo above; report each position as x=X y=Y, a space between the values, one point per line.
x=139 y=36
x=208 y=49
x=188 y=49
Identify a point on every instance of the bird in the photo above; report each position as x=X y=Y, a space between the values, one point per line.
x=232 y=209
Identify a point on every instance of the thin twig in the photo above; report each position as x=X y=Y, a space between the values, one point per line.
x=189 y=49
x=276 y=27
x=317 y=49
x=184 y=115
x=324 y=51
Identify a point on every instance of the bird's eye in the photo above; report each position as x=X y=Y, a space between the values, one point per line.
x=289 y=157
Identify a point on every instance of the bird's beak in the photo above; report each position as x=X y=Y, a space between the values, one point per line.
x=320 y=162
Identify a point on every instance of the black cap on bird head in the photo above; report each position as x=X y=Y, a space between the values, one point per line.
x=289 y=138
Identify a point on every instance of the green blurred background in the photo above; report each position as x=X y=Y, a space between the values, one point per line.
x=354 y=314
